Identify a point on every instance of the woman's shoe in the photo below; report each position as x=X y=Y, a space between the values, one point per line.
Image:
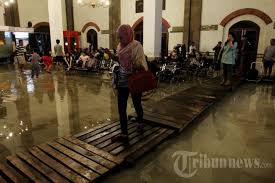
x=121 y=138
x=140 y=128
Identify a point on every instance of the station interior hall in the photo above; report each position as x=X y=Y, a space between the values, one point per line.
x=137 y=91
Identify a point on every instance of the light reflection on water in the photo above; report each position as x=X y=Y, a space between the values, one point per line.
x=33 y=111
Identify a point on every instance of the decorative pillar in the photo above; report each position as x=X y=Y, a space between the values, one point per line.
x=11 y=15
x=192 y=22
x=56 y=21
x=114 y=22
x=70 y=15
x=152 y=28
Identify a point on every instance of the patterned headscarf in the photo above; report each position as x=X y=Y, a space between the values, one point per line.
x=126 y=34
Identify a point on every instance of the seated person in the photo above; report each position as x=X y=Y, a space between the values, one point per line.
x=84 y=58
x=174 y=55
x=92 y=62
x=69 y=61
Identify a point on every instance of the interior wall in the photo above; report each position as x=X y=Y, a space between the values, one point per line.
x=173 y=13
x=33 y=10
x=100 y=16
x=211 y=15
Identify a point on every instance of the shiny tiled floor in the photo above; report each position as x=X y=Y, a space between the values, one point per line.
x=240 y=126
x=33 y=111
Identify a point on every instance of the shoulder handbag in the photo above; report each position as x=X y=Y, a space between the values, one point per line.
x=142 y=81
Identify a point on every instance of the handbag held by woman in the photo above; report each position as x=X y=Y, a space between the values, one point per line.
x=142 y=81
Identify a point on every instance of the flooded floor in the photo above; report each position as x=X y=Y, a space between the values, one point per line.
x=242 y=126
x=238 y=133
x=33 y=111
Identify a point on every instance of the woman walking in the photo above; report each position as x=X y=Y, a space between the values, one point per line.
x=131 y=59
x=229 y=59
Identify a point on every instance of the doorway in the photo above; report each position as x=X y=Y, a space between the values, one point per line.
x=252 y=31
x=40 y=39
x=138 y=35
x=92 y=39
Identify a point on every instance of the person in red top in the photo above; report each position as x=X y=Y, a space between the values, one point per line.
x=47 y=60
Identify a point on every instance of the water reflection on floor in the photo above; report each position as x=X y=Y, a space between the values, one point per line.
x=241 y=126
x=33 y=111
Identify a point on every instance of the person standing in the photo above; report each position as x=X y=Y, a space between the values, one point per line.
x=21 y=55
x=35 y=59
x=229 y=59
x=192 y=49
x=131 y=59
x=269 y=59
x=59 y=54
x=217 y=50
x=244 y=63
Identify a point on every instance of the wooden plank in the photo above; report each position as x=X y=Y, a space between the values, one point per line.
x=110 y=135
x=98 y=133
x=132 y=134
x=182 y=98
x=205 y=91
x=2 y=180
x=79 y=158
x=115 y=129
x=149 y=145
x=10 y=175
x=171 y=113
x=174 y=105
x=198 y=106
x=109 y=141
x=158 y=120
x=94 y=132
x=73 y=165
x=192 y=109
x=25 y=169
x=57 y=166
x=176 y=121
x=79 y=135
x=95 y=150
x=92 y=156
x=42 y=168
x=199 y=97
x=133 y=141
x=142 y=143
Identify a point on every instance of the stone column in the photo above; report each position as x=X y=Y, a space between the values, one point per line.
x=192 y=22
x=70 y=14
x=152 y=28
x=114 y=22
x=56 y=21
x=11 y=15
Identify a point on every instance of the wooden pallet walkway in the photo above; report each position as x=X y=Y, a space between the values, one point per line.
x=139 y=144
x=63 y=160
x=85 y=157
x=179 y=110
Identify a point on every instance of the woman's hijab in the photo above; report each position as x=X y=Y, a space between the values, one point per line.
x=126 y=37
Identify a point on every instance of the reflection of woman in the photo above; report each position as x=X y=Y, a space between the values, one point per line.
x=131 y=58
